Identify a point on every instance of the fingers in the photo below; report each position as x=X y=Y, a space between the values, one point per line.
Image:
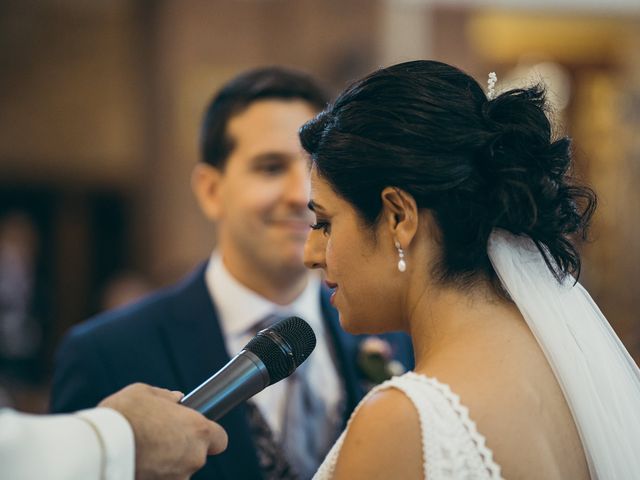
x=173 y=395
x=215 y=436
x=176 y=395
x=218 y=439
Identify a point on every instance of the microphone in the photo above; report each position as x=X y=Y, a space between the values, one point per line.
x=273 y=354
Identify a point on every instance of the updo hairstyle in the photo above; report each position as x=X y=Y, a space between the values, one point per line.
x=476 y=164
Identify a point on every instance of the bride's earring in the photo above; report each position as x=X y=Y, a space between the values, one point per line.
x=402 y=265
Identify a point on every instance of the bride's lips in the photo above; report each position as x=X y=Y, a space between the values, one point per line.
x=333 y=287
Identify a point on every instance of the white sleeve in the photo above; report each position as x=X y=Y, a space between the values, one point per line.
x=91 y=444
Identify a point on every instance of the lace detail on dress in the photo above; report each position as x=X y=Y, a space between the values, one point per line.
x=452 y=447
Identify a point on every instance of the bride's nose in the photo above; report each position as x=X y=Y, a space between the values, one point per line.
x=314 y=249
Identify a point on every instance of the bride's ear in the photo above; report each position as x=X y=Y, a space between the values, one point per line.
x=400 y=213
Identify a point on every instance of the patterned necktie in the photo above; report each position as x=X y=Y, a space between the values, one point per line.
x=273 y=464
x=308 y=431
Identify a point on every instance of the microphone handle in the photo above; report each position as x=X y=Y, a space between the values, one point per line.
x=240 y=379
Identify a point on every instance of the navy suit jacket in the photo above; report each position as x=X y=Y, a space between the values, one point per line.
x=173 y=340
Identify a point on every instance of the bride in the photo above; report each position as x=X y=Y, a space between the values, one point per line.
x=449 y=214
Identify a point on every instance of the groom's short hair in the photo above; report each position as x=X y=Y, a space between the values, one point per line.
x=259 y=84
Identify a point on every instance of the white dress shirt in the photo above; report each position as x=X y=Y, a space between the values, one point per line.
x=240 y=309
x=91 y=444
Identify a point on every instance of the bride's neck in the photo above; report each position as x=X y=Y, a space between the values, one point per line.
x=444 y=318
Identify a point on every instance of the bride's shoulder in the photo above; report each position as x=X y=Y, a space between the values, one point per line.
x=383 y=439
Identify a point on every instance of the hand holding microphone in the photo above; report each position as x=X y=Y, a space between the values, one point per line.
x=272 y=355
x=170 y=441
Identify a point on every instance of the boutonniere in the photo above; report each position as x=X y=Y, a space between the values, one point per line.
x=376 y=362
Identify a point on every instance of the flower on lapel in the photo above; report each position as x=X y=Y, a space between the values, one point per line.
x=375 y=361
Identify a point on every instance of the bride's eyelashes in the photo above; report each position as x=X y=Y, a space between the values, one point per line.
x=321 y=225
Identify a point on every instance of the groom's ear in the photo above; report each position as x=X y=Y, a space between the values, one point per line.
x=207 y=184
x=400 y=214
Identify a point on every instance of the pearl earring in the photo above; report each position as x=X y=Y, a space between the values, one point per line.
x=402 y=265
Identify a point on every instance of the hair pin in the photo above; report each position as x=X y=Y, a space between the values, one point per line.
x=491 y=83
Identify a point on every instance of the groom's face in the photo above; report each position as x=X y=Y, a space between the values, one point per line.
x=261 y=195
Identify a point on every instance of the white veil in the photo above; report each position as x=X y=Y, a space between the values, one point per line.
x=598 y=377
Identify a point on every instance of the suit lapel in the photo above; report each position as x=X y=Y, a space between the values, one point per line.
x=193 y=334
x=196 y=345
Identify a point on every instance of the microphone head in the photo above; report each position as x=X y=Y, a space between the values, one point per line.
x=283 y=347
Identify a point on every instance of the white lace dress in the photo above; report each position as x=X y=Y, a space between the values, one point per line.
x=452 y=448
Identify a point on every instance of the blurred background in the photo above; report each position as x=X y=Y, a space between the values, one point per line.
x=100 y=103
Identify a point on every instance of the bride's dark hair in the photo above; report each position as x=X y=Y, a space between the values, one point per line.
x=477 y=164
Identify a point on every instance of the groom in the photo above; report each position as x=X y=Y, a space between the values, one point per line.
x=252 y=182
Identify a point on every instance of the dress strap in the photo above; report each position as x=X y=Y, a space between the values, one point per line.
x=452 y=447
